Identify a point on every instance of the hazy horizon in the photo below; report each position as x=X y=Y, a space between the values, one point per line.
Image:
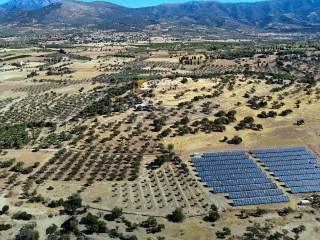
x=144 y=3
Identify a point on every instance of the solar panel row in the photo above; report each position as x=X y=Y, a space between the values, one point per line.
x=293 y=167
x=227 y=162
x=285 y=157
x=233 y=176
x=299 y=177
x=286 y=153
x=275 y=150
x=297 y=172
x=203 y=158
x=258 y=193
x=303 y=183
x=222 y=167
x=221 y=157
x=295 y=162
x=305 y=189
x=238 y=182
x=276 y=159
x=249 y=187
x=262 y=200
x=231 y=153
x=228 y=171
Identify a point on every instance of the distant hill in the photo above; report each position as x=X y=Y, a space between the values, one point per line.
x=76 y=13
x=272 y=15
x=267 y=15
x=27 y=5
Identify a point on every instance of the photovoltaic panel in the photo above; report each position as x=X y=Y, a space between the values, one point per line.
x=305 y=189
x=233 y=176
x=262 y=200
x=291 y=158
x=231 y=153
x=301 y=183
x=293 y=167
x=285 y=153
x=275 y=150
x=297 y=172
x=238 y=182
x=223 y=167
x=223 y=162
x=229 y=171
x=257 y=193
x=250 y=187
x=227 y=162
x=299 y=177
x=222 y=157
x=296 y=162
x=212 y=159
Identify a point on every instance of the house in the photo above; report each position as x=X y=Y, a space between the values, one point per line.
x=143 y=107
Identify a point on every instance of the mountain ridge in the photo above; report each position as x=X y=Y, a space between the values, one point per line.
x=271 y=15
x=27 y=5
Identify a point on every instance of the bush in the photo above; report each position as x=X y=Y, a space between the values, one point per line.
x=116 y=212
x=27 y=232
x=213 y=207
x=165 y=133
x=262 y=115
x=150 y=222
x=270 y=114
x=7 y=163
x=176 y=216
x=222 y=234
x=71 y=225
x=285 y=211
x=4 y=209
x=258 y=213
x=161 y=159
x=22 y=216
x=152 y=225
x=221 y=113
x=5 y=227
x=72 y=203
x=133 y=237
x=130 y=226
x=56 y=203
x=299 y=229
x=93 y=224
x=212 y=216
x=52 y=229
x=285 y=112
x=235 y=140
x=184 y=80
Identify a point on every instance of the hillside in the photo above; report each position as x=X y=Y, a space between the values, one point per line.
x=273 y=15
x=269 y=15
x=27 y=5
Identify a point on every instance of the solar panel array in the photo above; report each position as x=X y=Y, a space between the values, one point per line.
x=239 y=176
x=297 y=167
